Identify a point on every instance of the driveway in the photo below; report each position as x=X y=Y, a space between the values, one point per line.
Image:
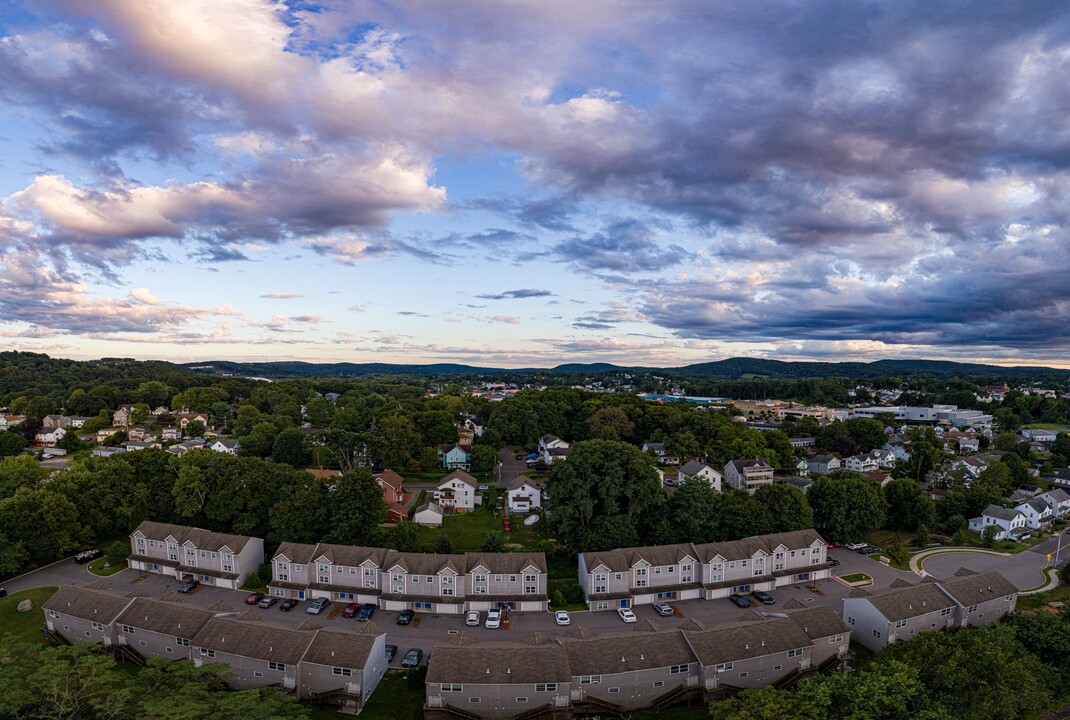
x=510 y=468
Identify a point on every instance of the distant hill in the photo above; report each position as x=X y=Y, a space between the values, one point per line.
x=730 y=369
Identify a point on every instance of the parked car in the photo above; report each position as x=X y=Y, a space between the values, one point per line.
x=412 y=658
x=664 y=609
x=391 y=651
x=188 y=586
x=627 y=615
x=494 y=619
x=366 y=612
x=833 y=562
x=835 y=544
x=266 y=602
x=739 y=600
x=483 y=488
x=405 y=617
x=317 y=606
x=669 y=482
x=471 y=617
x=561 y=617
x=519 y=456
x=253 y=598
x=87 y=555
x=3 y=593
x=289 y=604
x=763 y=597
x=868 y=550
x=854 y=546
x=350 y=610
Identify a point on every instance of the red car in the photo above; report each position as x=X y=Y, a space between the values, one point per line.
x=350 y=610
x=254 y=598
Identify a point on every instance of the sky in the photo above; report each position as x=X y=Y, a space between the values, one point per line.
x=527 y=183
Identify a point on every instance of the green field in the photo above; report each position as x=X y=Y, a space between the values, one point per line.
x=1047 y=426
x=393 y=699
x=26 y=627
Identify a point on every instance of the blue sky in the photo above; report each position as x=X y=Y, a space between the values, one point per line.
x=530 y=183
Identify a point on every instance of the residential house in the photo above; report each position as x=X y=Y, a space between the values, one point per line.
x=106 y=452
x=155 y=628
x=188 y=553
x=982 y=598
x=861 y=463
x=802 y=468
x=658 y=449
x=169 y=433
x=456 y=457
x=258 y=655
x=550 y=442
x=348 y=573
x=803 y=442
x=496 y=681
x=823 y=464
x=884 y=458
x=897 y=445
x=969 y=445
x=1011 y=524
x=880 y=477
x=457 y=492
x=523 y=495
x=429 y=515
x=827 y=631
x=78 y=615
x=551 y=455
x=139 y=445
x=1037 y=513
x=9 y=421
x=799 y=483
x=393 y=487
x=49 y=422
x=470 y=422
x=700 y=471
x=123 y=416
x=748 y=474
x=1040 y=436
x=160 y=410
x=48 y=438
x=751 y=653
x=1058 y=500
x=293 y=570
x=762 y=562
x=185 y=419
x=343 y=666
x=230 y=447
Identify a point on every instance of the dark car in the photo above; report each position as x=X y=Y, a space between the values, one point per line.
x=87 y=555
x=412 y=658
x=833 y=562
x=366 y=612
x=391 y=651
x=188 y=586
x=254 y=598
x=350 y=610
x=739 y=600
x=266 y=602
x=406 y=617
x=763 y=597
x=3 y=592
x=289 y=605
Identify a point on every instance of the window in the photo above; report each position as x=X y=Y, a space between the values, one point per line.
x=590 y=679
x=276 y=666
x=325 y=568
x=900 y=623
x=521 y=700
x=88 y=634
x=534 y=578
x=716 y=578
x=325 y=578
x=497 y=578
x=430 y=578
x=850 y=621
x=815 y=560
x=415 y=578
x=835 y=639
x=480 y=591
x=677 y=669
x=530 y=589
x=205 y=652
x=640 y=583
x=778 y=667
x=599 y=588
x=601 y=605
x=474 y=701
x=545 y=687
x=447 y=591
x=758 y=571
x=619 y=576
x=744 y=674
x=876 y=633
x=946 y=611
x=257 y=673
x=369 y=582
x=215 y=555
x=284 y=577
x=340 y=570
x=447 y=579
x=480 y=578
x=659 y=683
x=614 y=691
x=98 y=626
x=452 y=687
x=397 y=577
x=344 y=672
x=1009 y=598
x=53 y=614
x=398 y=589
x=182 y=641
x=128 y=629
x=743 y=563
x=640 y=572
x=715 y=566
x=971 y=608
x=142 y=643
x=723 y=666
x=203 y=554
x=796 y=652
x=230 y=568
x=169 y=650
x=657 y=571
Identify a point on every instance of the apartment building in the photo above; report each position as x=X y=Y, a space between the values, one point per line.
x=188 y=553
x=154 y=628
x=749 y=474
x=77 y=615
x=637 y=576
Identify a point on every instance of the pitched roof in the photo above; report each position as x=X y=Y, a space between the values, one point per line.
x=741 y=641
x=351 y=555
x=973 y=589
x=340 y=648
x=298 y=553
x=164 y=618
x=1001 y=513
x=1057 y=495
x=626 y=653
x=253 y=640
x=391 y=478
x=820 y=621
x=624 y=559
x=505 y=563
x=86 y=604
x=905 y=603
x=432 y=506
x=750 y=463
x=520 y=481
x=694 y=467
x=459 y=475
x=425 y=563
x=498 y=664
x=202 y=539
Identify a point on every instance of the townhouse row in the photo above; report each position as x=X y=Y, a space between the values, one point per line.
x=901 y=612
x=584 y=673
x=340 y=666
x=392 y=580
x=645 y=575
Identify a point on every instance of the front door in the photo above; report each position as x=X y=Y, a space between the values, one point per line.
x=300 y=594
x=624 y=603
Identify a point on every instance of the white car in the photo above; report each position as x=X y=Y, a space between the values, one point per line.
x=471 y=617
x=854 y=546
x=664 y=609
x=627 y=615
x=483 y=488
x=494 y=619
x=562 y=617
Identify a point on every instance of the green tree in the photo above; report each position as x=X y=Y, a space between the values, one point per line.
x=483 y=458
x=1061 y=446
x=908 y=505
x=45 y=523
x=11 y=444
x=259 y=442
x=443 y=545
x=140 y=413
x=694 y=512
x=195 y=429
x=787 y=507
x=291 y=446
x=320 y=412
x=356 y=509
x=988 y=535
x=846 y=506
x=867 y=433
x=1006 y=441
x=405 y=537
x=39 y=406
x=493 y=542
x=683 y=445
x=154 y=393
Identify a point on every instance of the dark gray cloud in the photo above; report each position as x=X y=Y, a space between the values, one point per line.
x=624 y=246
x=515 y=294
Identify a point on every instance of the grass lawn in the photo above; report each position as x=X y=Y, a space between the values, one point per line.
x=1032 y=602
x=26 y=627
x=393 y=699
x=855 y=577
x=863 y=655
x=1046 y=426
x=97 y=567
x=466 y=530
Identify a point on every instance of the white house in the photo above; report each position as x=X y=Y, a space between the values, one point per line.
x=105 y=451
x=523 y=495
x=1037 y=513
x=1011 y=523
x=701 y=471
x=659 y=450
x=1058 y=500
x=49 y=437
x=457 y=492
x=748 y=474
x=823 y=464
x=969 y=445
x=861 y=463
x=884 y=458
x=230 y=447
x=1041 y=436
x=428 y=515
x=549 y=442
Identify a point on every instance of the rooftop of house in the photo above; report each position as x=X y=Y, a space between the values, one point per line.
x=498 y=664
x=202 y=539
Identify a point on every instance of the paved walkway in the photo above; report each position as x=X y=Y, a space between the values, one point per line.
x=918 y=559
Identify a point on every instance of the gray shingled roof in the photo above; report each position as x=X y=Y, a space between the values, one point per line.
x=693 y=467
x=203 y=539
x=974 y=589
x=90 y=605
x=741 y=641
x=910 y=602
x=606 y=655
x=339 y=648
x=1001 y=513
x=494 y=664
x=505 y=563
x=819 y=622
x=622 y=560
x=459 y=475
x=253 y=640
x=351 y=555
x=299 y=553
x=164 y=618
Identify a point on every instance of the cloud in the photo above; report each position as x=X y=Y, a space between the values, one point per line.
x=144 y=295
x=307 y=319
x=516 y=294
x=624 y=246
x=507 y=319
x=411 y=313
x=281 y=296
